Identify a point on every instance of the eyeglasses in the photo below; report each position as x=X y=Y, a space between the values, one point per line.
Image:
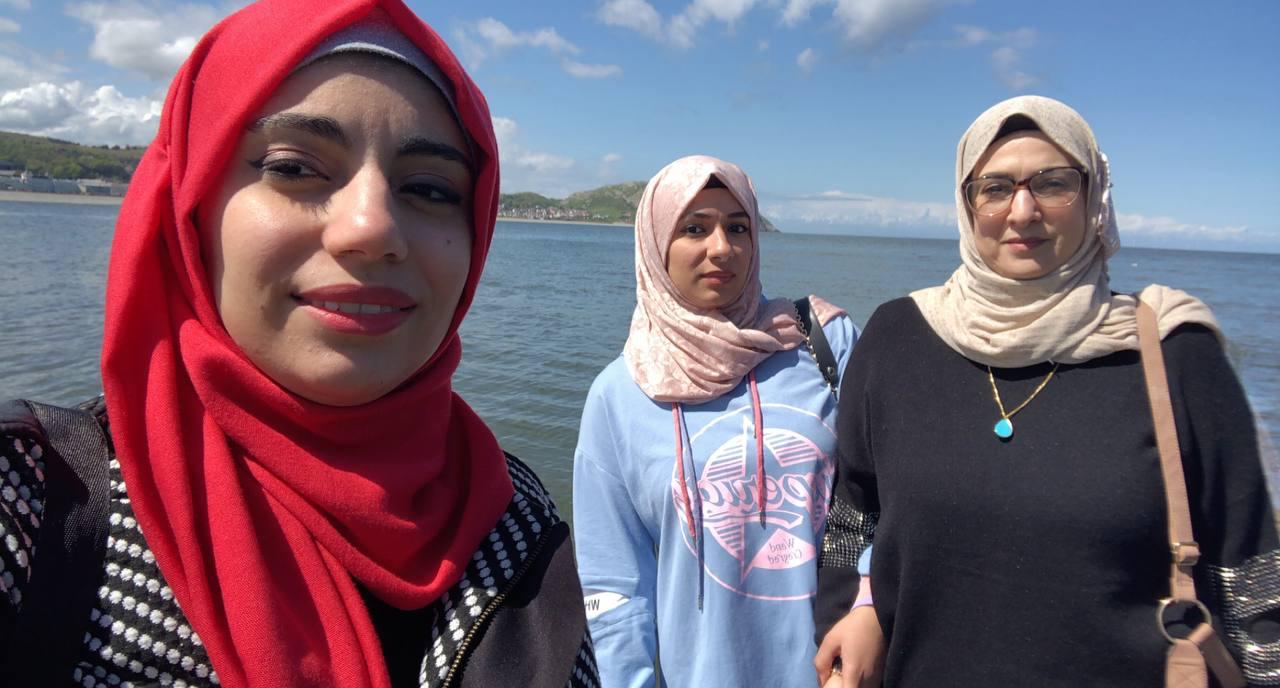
x=1056 y=187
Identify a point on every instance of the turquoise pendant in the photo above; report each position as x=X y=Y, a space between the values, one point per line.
x=1004 y=428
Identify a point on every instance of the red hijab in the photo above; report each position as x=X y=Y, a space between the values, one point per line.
x=264 y=509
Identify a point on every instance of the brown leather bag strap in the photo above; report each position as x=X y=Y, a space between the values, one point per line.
x=1182 y=543
x=1187 y=658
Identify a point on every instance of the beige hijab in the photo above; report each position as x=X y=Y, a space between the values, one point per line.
x=1068 y=315
x=676 y=351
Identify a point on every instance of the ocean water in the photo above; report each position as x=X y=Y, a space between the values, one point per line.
x=555 y=305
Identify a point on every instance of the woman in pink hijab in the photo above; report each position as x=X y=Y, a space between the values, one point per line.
x=705 y=460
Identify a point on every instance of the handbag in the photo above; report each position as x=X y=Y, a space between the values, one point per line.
x=1191 y=657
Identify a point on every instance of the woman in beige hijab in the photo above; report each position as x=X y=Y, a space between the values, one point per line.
x=996 y=441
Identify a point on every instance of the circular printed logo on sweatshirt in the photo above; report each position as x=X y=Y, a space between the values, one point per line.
x=738 y=552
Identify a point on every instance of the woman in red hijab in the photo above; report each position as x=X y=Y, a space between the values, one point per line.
x=297 y=497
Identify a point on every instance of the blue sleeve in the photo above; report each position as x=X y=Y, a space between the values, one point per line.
x=616 y=557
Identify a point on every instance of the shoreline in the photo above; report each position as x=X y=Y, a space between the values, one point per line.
x=504 y=218
x=63 y=199
x=83 y=199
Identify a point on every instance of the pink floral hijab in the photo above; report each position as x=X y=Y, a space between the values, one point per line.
x=678 y=352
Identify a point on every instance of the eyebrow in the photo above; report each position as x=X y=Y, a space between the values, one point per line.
x=703 y=215
x=421 y=145
x=315 y=125
x=328 y=128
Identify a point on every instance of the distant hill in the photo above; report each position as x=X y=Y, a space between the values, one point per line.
x=617 y=201
x=614 y=203
x=48 y=157
x=65 y=160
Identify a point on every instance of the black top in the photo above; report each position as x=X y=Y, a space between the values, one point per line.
x=515 y=615
x=403 y=635
x=1036 y=560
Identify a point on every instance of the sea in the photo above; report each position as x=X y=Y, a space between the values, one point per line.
x=555 y=304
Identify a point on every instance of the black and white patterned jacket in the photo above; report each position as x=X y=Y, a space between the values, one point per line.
x=503 y=623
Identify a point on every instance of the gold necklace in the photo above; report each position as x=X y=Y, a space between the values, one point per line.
x=1004 y=426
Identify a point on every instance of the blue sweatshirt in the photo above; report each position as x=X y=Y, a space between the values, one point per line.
x=728 y=601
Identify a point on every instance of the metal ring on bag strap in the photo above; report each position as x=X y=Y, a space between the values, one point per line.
x=1205 y=616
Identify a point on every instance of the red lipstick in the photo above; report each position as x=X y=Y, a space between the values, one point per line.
x=356 y=309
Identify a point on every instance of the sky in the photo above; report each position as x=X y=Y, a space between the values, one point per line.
x=846 y=113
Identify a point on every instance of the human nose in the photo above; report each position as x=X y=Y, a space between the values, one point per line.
x=718 y=246
x=362 y=220
x=1022 y=208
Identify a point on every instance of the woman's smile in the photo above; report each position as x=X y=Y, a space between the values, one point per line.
x=356 y=309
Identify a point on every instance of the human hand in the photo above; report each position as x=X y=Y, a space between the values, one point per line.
x=859 y=643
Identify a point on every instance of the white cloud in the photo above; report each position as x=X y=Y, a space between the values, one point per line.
x=637 y=15
x=684 y=26
x=727 y=11
x=1131 y=224
x=973 y=35
x=590 y=71
x=38 y=106
x=69 y=111
x=20 y=67
x=151 y=40
x=870 y=25
x=502 y=38
x=516 y=159
x=545 y=172
x=489 y=37
x=807 y=59
x=16 y=4
x=1007 y=59
x=843 y=208
x=9 y=26
x=797 y=11
x=762 y=46
x=842 y=211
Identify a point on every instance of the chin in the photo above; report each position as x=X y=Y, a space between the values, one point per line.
x=1024 y=272
x=349 y=387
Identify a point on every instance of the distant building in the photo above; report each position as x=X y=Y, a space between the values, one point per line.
x=94 y=187
x=25 y=181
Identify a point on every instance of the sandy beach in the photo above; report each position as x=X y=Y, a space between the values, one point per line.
x=67 y=199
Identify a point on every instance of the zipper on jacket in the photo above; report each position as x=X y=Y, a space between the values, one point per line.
x=464 y=648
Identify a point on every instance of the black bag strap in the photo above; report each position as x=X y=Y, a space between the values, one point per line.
x=66 y=571
x=818 y=345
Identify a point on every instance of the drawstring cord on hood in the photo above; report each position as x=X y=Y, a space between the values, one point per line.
x=758 y=424
x=695 y=531
x=684 y=484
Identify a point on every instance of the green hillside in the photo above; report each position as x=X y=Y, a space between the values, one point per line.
x=65 y=160
x=618 y=201
x=615 y=203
